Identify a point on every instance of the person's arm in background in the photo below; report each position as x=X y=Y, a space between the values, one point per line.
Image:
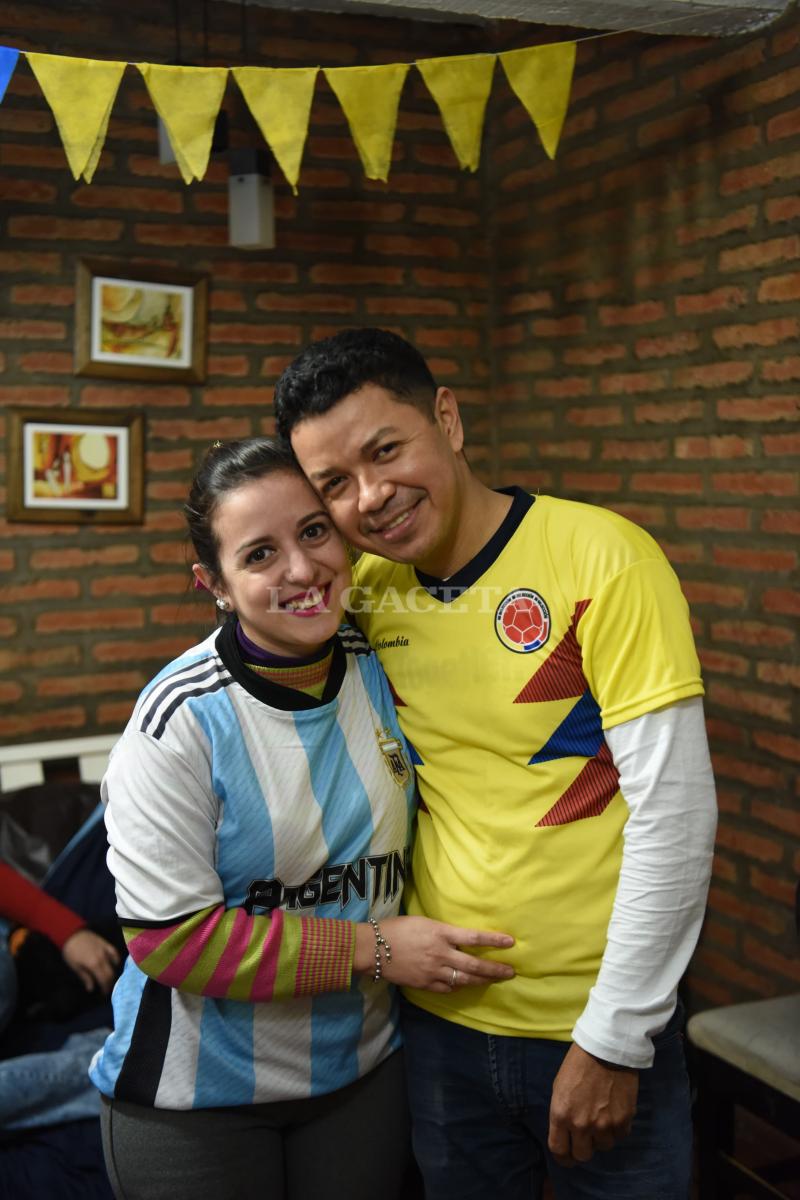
x=91 y=957
x=667 y=783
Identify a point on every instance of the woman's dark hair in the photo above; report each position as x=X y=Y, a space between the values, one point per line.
x=335 y=367
x=225 y=468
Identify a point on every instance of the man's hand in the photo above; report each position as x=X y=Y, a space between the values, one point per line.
x=92 y=958
x=592 y=1107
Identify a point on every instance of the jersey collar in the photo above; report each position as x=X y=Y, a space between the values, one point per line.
x=275 y=694
x=447 y=590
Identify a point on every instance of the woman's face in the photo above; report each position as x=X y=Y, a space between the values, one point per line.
x=283 y=566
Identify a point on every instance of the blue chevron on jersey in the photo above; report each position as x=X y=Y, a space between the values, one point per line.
x=580 y=733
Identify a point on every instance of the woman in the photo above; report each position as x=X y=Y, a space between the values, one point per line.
x=259 y=812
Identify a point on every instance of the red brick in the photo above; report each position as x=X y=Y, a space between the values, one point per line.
x=256 y=334
x=634 y=450
x=711 y=227
x=220 y=301
x=140 y=585
x=782 y=370
x=746 y=911
x=721 y=663
x=600 y=416
x=782 y=674
x=181 y=613
x=8 y=627
x=217 y=428
x=719 y=594
x=764 y=333
x=712 y=375
x=524 y=361
x=782 y=208
x=19 y=121
x=10 y=693
x=263 y=271
x=157 y=200
x=633 y=102
x=785 y=819
x=726 y=446
x=593 y=355
x=722 y=966
x=29 y=191
x=230 y=397
x=31 y=262
x=670 y=413
x=777 y=889
x=230 y=365
x=29 y=395
x=402 y=246
x=42 y=589
x=754 y=560
x=566 y=387
x=631 y=314
x=781 y=287
x=751 y=845
x=675 y=483
x=780 y=744
x=87 y=685
x=633 y=383
x=591 y=289
x=46 y=362
x=681 y=342
x=757 y=952
x=37 y=330
x=610 y=74
x=765 y=408
x=756 y=483
x=66 y=228
x=447 y=337
x=766 y=91
x=717 y=300
x=39 y=293
x=69 y=557
x=781 y=600
x=58 y=718
x=527 y=302
x=421 y=306
x=683 y=552
x=781 y=444
x=650 y=516
x=591 y=481
x=53 y=656
x=760 y=254
x=659 y=274
x=741 y=700
x=142 y=395
x=751 y=633
x=778 y=521
x=181 y=235
x=575 y=448
x=116 y=713
x=169 y=460
x=90 y=619
x=760 y=176
x=715 y=68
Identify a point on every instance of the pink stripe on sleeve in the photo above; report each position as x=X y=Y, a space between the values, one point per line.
x=174 y=973
x=147 y=941
x=267 y=972
x=235 y=948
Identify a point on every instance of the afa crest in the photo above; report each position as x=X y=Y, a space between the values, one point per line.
x=392 y=750
x=522 y=621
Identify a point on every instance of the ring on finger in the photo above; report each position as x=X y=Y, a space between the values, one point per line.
x=454 y=978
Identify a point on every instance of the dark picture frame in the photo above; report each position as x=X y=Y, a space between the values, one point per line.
x=66 y=466
x=140 y=322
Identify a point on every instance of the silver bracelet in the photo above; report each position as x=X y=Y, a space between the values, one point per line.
x=380 y=940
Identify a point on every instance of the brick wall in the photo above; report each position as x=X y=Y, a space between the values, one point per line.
x=645 y=357
x=88 y=613
x=620 y=326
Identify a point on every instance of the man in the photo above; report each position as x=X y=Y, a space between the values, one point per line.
x=545 y=675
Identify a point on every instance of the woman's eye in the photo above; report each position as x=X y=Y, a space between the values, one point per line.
x=260 y=554
x=317 y=530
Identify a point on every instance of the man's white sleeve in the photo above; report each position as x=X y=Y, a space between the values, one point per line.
x=668 y=786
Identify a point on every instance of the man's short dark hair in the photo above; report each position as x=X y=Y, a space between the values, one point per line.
x=337 y=366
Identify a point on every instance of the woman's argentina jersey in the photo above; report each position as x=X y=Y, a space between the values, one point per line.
x=217 y=798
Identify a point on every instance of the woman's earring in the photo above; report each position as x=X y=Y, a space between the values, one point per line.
x=223 y=604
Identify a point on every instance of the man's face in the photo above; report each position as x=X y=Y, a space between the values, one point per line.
x=387 y=472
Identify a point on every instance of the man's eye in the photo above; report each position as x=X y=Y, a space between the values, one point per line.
x=331 y=485
x=387 y=449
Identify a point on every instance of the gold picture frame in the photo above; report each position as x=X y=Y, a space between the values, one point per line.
x=75 y=467
x=140 y=322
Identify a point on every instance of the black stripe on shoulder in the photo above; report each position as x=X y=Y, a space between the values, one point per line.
x=138 y=923
x=354 y=641
x=140 y=1075
x=192 y=673
x=188 y=694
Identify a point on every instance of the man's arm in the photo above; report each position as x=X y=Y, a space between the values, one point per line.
x=667 y=782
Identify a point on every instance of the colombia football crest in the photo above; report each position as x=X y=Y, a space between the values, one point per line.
x=522 y=621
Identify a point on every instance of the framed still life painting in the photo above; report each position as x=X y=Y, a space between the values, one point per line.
x=76 y=467
x=140 y=323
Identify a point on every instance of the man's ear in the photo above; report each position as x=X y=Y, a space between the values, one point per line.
x=448 y=418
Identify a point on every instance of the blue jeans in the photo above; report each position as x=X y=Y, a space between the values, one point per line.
x=8 y=980
x=47 y=1089
x=480 y=1115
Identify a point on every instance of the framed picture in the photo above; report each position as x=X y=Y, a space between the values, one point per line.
x=66 y=466
x=140 y=323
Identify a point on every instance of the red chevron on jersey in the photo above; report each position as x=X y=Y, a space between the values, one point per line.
x=561 y=676
x=589 y=795
x=398 y=703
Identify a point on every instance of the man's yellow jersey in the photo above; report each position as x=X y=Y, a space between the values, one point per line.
x=568 y=622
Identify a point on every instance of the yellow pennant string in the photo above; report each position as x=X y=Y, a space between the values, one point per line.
x=81 y=92
x=280 y=100
x=541 y=76
x=460 y=86
x=188 y=100
x=369 y=97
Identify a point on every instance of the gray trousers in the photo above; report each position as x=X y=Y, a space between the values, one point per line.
x=353 y=1142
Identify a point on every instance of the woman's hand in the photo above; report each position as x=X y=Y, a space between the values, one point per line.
x=92 y=958
x=427 y=954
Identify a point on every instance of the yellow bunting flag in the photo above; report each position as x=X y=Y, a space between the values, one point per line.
x=369 y=97
x=460 y=86
x=81 y=92
x=188 y=100
x=280 y=100
x=541 y=76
